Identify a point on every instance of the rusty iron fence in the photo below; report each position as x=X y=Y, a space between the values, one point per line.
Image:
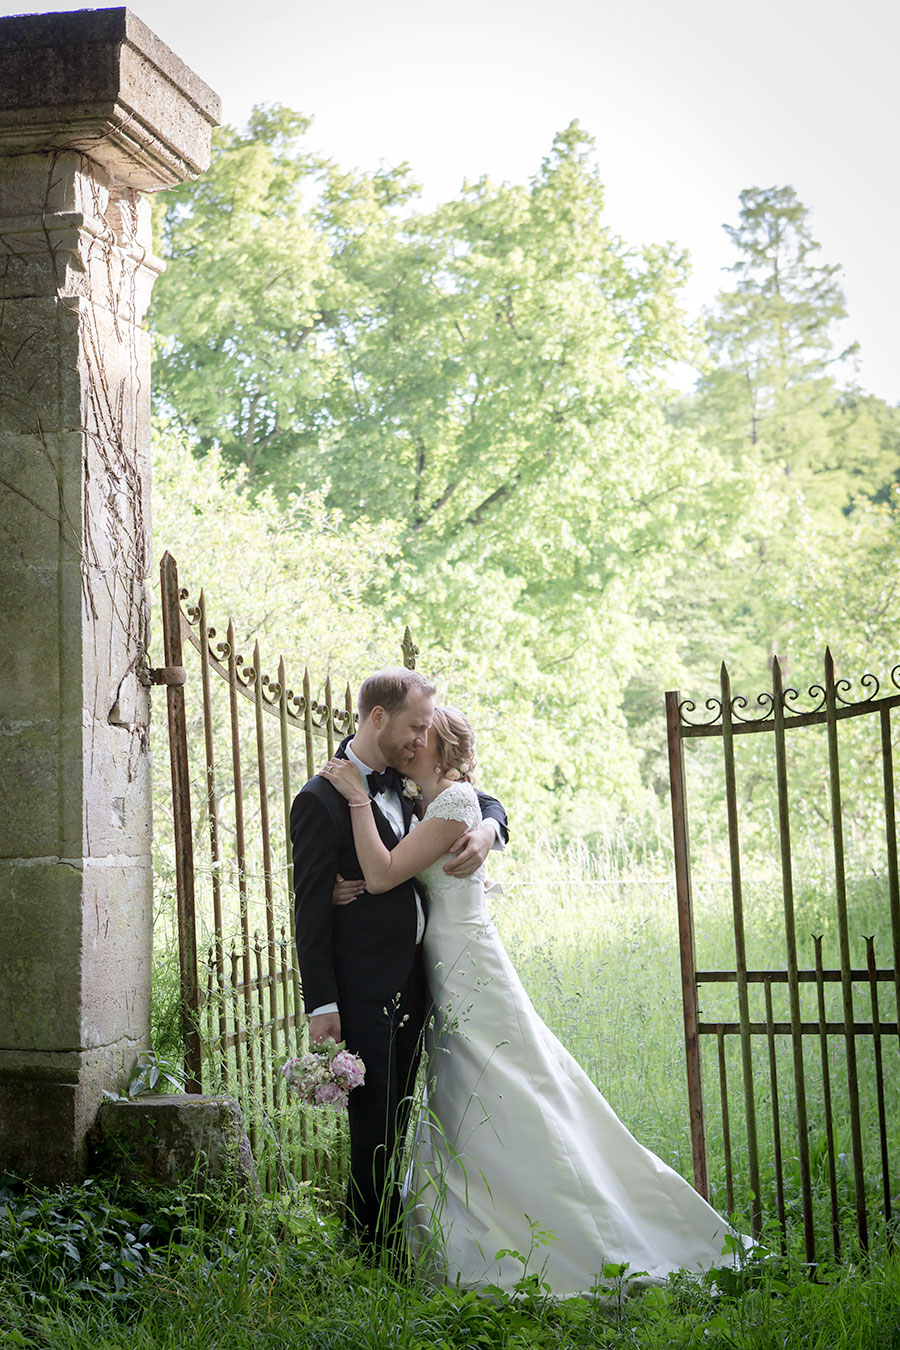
x=817 y=1135
x=241 y=742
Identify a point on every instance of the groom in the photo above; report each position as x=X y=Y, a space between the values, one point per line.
x=361 y=963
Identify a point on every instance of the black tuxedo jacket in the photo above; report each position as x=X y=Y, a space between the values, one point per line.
x=364 y=950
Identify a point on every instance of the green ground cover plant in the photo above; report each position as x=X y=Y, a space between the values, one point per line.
x=105 y=1266
x=593 y=934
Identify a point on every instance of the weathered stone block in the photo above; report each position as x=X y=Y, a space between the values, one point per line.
x=32 y=185
x=48 y=1103
x=39 y=1127
x=40 y=955
x=167 y=1139
x=30 y=754
x=117 y=820
x=115 y=950
x=41 y=388
x=40 y=501
x=29 y=597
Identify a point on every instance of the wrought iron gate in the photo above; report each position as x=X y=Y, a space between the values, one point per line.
x=242 y=1008
x=778 y=1161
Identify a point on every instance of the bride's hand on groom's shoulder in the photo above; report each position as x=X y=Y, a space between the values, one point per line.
x=346 y=778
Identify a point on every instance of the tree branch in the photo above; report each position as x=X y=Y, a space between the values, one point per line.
x=498 y=495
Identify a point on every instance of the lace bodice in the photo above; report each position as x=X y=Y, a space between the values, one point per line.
x=457 y=802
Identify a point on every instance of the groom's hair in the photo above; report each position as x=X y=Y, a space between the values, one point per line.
x=389 y=689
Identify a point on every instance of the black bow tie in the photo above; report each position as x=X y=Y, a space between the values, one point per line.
x=382 y=782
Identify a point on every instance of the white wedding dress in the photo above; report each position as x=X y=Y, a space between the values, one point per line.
x=514 y=1141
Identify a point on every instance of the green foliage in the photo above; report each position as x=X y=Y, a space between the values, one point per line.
x=154 y=1073
x=772 y=396
x=772 y=335
x=293 y=572
x=841 y=589
x=480 y=382
x=57 y=1245
x=166 y=1007
x=459 y=419
x=812 y=455
x=251 y=332
x=220 y=1274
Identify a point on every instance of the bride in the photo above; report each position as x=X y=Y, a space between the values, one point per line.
x=519 y=1162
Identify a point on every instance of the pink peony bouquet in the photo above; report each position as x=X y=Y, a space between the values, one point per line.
x=325 y=1076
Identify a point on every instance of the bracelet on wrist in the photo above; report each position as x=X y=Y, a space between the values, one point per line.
x=367 y=802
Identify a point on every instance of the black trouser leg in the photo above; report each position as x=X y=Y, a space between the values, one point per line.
x=388 y=1037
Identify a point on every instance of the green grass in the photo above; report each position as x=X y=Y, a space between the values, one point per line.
x=594 y=938
x=98 y=1267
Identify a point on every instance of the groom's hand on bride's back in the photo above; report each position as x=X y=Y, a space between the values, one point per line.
x=470 y=850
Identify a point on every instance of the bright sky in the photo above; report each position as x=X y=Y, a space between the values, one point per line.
x=689 y=102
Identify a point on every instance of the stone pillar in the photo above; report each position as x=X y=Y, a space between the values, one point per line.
x=94 y=112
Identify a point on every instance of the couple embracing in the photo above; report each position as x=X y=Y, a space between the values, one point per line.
x=514 y=1145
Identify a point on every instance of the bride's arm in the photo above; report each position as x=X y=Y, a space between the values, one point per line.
x=385 y=868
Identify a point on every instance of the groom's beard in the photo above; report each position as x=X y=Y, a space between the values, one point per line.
x=395 y=752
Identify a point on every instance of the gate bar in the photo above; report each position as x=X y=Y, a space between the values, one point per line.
x=181 y=813
x=790 y=932
x=840 y=889
x=689 y=998
x=776 y=1116
x=890 y=823
x=287 y=798
x=879 y=1087
x=740 y=953
x=826 y=1101
x=262 y=778
x=726 y=1124
x=212 y=802
x=241 y=850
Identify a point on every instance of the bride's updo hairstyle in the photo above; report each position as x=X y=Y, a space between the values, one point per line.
x=455 y=744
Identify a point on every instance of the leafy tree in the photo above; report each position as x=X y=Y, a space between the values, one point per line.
x=261 y=269
x=483 y=380
x=772 y=395
x=807 y=448
x=294 y=574
x=462 y=416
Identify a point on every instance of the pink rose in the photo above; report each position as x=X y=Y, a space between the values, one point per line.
x=330 y=1094
x=350 y=1068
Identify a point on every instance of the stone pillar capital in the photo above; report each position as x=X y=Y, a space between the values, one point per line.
x=101 y=83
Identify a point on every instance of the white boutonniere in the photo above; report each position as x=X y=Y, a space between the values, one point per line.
x=411 y=789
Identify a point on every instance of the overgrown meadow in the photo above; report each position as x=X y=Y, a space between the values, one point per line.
x=593 y=936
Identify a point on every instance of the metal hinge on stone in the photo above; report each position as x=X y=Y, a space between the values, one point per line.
x=169 y=675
